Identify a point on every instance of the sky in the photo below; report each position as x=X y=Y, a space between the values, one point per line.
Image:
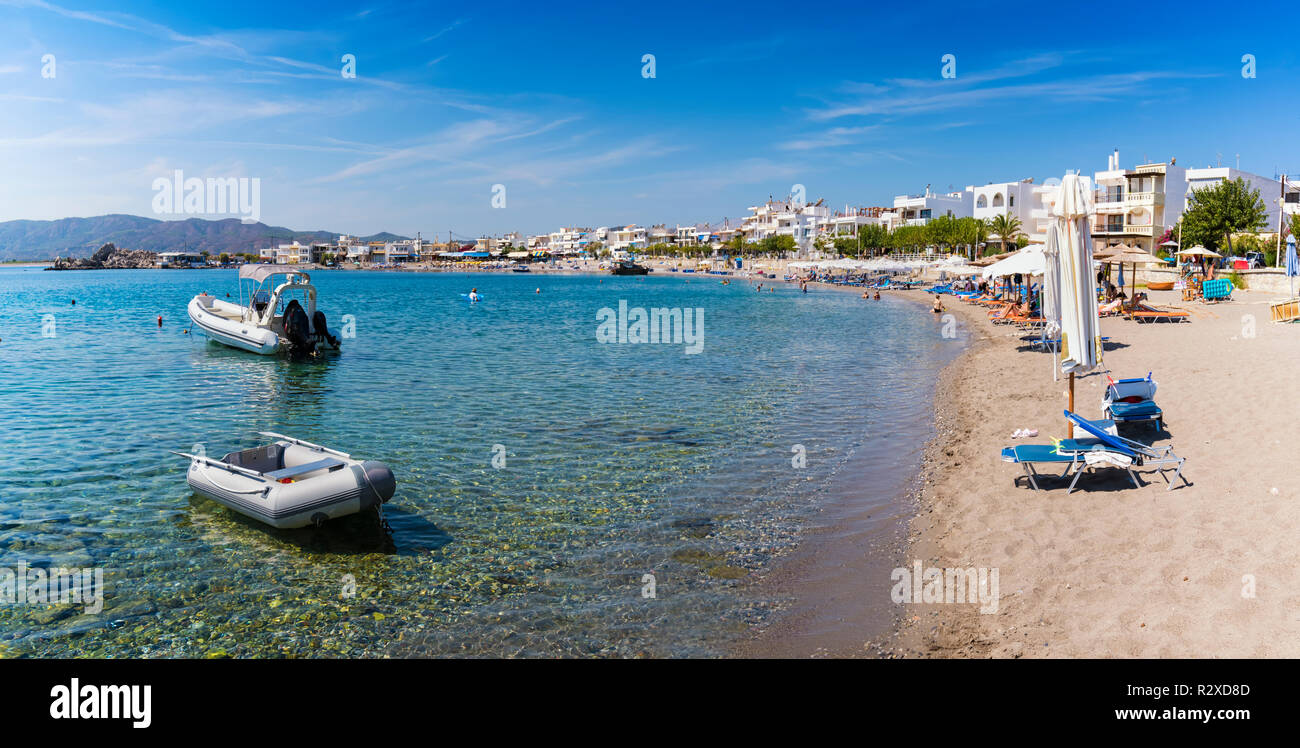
x=483 y=118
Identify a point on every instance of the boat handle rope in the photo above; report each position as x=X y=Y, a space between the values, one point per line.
x=214 y=482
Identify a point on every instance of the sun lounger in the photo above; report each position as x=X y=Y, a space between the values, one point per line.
x=1132 y=400
x=1144 y=455
x=1145 y=313
x=1101 y=449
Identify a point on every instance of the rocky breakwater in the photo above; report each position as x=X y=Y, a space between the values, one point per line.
x=108 y=257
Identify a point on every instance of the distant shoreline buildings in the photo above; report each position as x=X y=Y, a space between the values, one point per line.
x=1133 y=206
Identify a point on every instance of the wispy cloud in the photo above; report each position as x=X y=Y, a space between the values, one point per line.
x=836 y=136
x=444 y=30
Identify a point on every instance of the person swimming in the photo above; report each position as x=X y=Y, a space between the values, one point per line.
x=473 y=295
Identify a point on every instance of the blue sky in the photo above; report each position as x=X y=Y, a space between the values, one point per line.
x=549 y=100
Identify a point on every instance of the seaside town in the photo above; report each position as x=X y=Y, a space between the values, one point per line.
x=805 y=334
x=1139 y=206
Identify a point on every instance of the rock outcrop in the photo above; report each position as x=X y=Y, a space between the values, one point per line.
x=108 y=257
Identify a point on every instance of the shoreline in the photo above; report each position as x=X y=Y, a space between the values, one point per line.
x=839 y=596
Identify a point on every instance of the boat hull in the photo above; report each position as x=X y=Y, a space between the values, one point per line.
x=236 y=334
x=308 y=500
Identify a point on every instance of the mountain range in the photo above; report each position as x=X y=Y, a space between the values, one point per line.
x=80 y=237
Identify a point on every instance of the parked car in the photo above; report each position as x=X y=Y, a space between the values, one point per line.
x=1255 y=259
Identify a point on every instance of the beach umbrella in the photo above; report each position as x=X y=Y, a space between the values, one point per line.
x=1201 y=253
x=1028 y=261
x=1132 y=256
x=1080 y=341
x=1052 y=285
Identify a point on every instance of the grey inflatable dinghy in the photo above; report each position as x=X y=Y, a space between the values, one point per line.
x=291 y=483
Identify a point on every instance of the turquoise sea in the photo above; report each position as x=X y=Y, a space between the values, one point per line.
x=644 y=492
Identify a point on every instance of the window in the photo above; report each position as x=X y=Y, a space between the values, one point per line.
x=1011 y=201
x=982 y=202
x=997 y=200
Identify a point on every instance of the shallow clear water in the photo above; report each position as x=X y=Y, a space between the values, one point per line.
x=621 y=461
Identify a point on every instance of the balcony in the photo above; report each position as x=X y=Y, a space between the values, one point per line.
x=1125 y=229
x=1144 y=198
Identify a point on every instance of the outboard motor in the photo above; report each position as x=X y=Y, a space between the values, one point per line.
x=380 y=481
x=323 y=330
x=297 y=329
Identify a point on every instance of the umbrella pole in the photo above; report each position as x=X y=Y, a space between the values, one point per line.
x=1071 y=432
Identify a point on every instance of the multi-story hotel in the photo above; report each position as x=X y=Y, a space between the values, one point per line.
x=1136 y=206
x=788 y=218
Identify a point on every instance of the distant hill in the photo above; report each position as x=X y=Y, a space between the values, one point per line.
x=80 y=237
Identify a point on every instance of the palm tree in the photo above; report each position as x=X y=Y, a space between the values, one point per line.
x=979 y=233
x=1005 y=226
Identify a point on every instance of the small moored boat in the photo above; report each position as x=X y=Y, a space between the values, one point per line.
x=277 y=318
x=628 y=267
x=291 y=483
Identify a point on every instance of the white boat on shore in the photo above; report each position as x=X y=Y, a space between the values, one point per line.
x=291 y=483
x=276 y=318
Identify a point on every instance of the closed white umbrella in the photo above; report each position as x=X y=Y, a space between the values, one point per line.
x=1052 y=285
x=1080 y=341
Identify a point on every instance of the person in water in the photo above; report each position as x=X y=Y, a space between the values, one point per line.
x=877 y=296
x=938 y=304
x=473 y=294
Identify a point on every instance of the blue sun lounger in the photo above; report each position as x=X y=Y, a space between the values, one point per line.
x=1073 y=454
x=1129 y=400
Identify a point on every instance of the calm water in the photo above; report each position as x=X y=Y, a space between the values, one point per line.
x=621 y=461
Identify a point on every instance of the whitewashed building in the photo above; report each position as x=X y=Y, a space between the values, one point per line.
x=803 y=222
x=917 y=210
x=1136 y=206
x=1278 y=200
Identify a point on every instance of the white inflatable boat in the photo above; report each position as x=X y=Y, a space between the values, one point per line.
x=291 y=483
x=276 y=318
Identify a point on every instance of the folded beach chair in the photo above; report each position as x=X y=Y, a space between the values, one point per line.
x=1132 y=400
x=1101 y=449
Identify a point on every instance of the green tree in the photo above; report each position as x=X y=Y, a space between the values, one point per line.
x=1215 y=213
x=1005 y=226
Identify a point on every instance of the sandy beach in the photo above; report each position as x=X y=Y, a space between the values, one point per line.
x=1205 y=570
x=1109 y=570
